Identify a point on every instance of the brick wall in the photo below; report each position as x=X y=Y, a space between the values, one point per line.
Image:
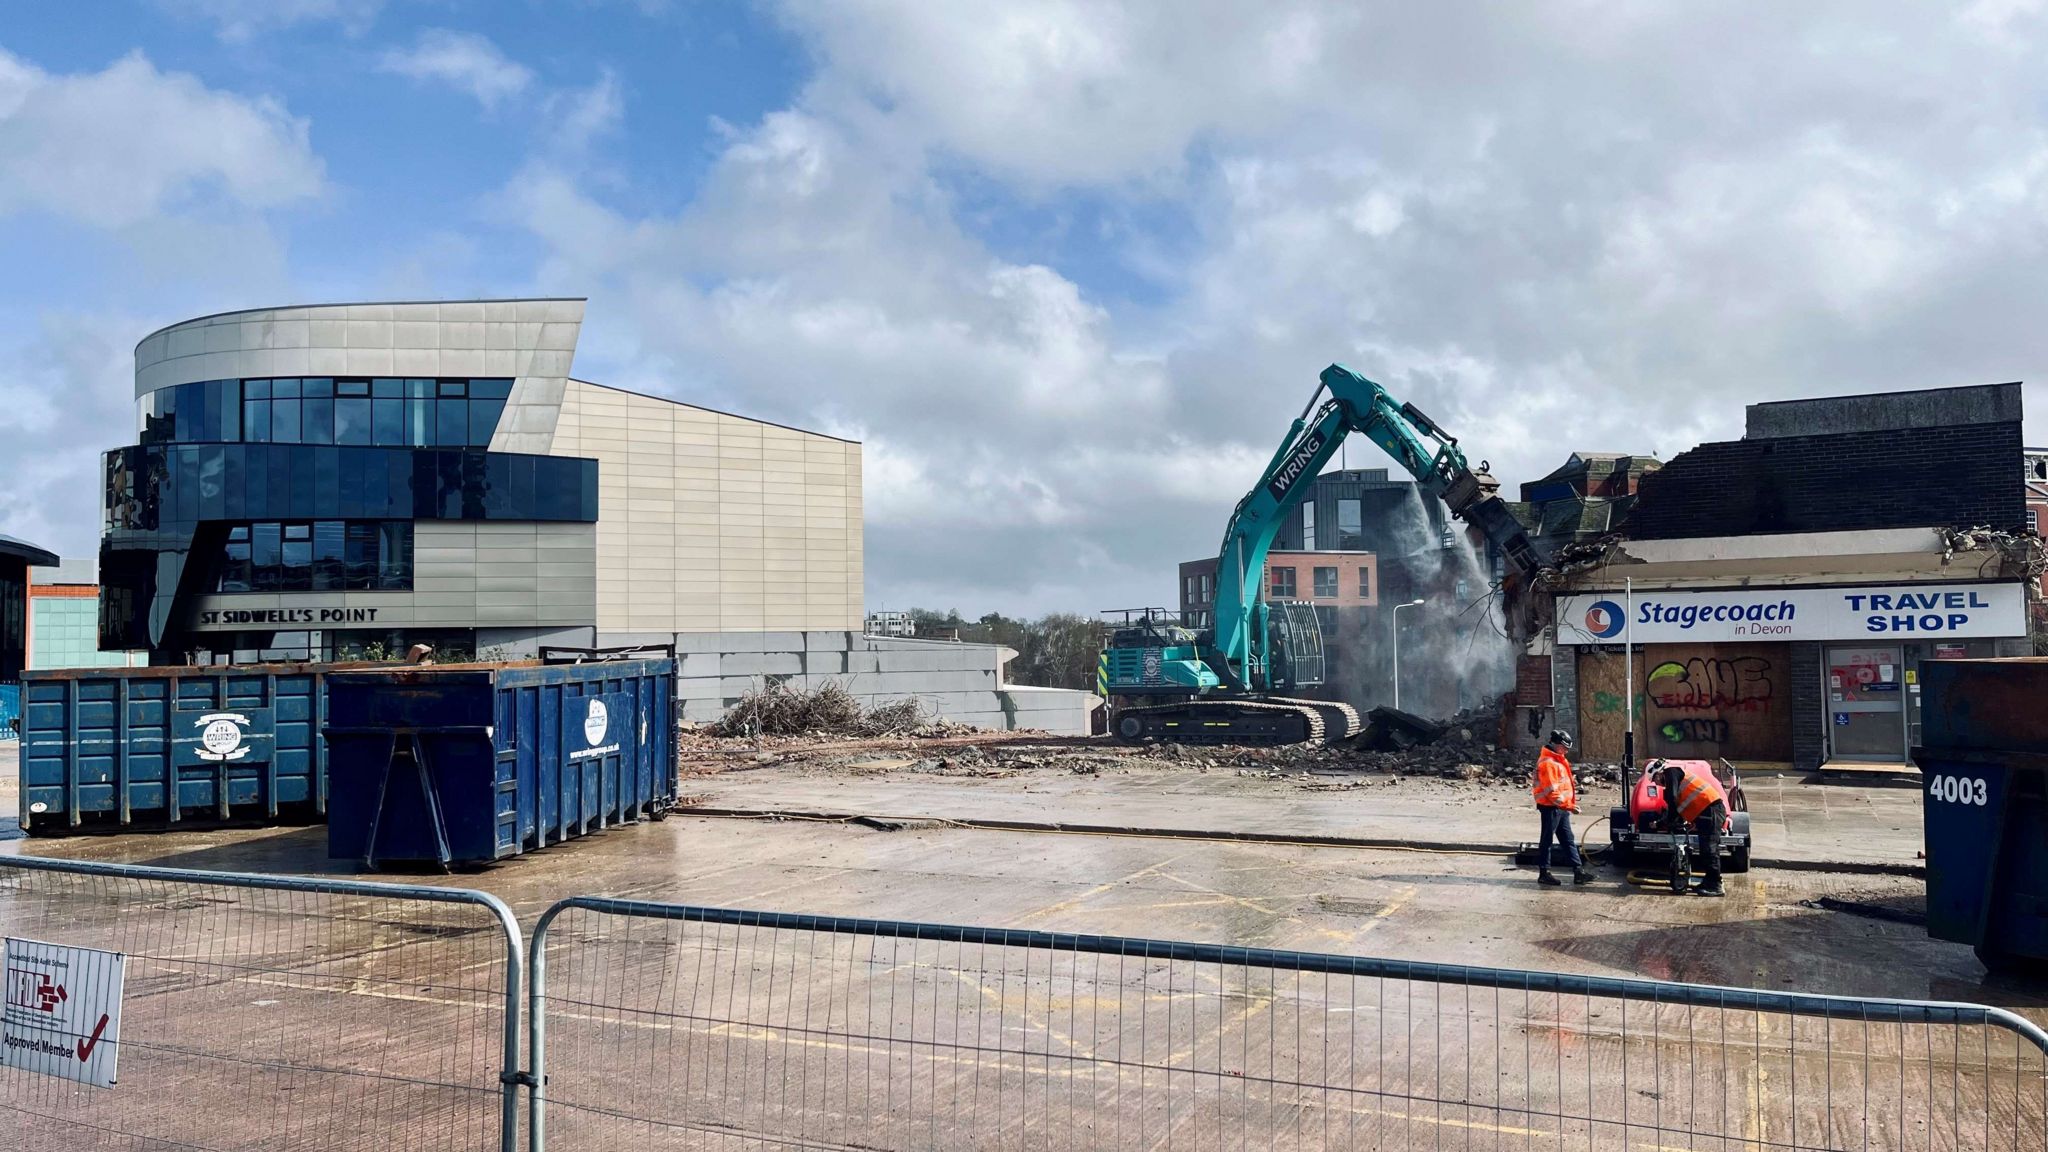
x=1895 y=478
x=1808 y=740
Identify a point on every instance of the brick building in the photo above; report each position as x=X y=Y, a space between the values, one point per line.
x=1782 y=590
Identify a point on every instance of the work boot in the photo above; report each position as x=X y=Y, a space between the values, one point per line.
x=1582 y=875
x=1711 y=888
x=1548 y=881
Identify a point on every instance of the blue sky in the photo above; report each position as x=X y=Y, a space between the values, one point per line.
x=1066 y=270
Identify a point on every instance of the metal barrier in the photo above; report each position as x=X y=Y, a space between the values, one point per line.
x=662 y=1026
x=268 y=1012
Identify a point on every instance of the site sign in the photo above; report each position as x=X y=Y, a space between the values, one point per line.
x=63 y=1011
x=1864 y=612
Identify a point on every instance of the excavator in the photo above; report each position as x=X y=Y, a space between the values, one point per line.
x=1231 y=684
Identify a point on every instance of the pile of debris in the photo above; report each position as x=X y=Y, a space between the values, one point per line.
x=828 y=710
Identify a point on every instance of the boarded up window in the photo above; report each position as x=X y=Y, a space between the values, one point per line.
x=1693 y=701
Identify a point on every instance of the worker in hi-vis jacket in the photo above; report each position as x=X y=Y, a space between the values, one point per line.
x=1695 y=801
x=1557 y=797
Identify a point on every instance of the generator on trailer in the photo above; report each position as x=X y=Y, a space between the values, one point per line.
x=1231 y=683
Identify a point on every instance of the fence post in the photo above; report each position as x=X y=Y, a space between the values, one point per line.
x=506 y=926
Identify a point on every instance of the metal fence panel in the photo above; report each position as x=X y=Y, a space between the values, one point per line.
x=659 y=1026
x=277 y=1013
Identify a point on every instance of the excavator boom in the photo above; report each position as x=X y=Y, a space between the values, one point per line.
x=1257 y=647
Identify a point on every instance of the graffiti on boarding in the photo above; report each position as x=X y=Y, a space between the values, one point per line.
x=1704 y=684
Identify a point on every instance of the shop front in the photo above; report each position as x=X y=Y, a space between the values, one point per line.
x=1737 y=674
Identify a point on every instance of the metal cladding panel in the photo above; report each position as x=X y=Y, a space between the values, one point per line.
x=168 y=747
x=469 y=766
x=1989 y=705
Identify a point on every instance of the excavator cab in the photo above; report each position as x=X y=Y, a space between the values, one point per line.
x=1294 y=635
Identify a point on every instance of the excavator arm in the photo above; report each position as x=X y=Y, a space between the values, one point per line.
x=1354 y=404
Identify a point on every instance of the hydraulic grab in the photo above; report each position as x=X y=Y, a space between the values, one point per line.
x=1229 y=684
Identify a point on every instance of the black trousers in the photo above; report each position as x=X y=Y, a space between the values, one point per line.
x=1557 y=824
x=1708 y=828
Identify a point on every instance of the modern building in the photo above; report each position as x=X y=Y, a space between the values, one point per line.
x=1337 y=583
x=63 y=618
x=890 y=623
x=1781 y=592
x=347 y=480
x=15 y=558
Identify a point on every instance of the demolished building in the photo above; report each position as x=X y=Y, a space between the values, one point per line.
x=1781 y=592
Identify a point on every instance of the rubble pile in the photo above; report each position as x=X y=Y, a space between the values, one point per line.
x=828 y=710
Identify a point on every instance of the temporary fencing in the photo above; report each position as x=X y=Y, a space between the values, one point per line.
x=663 y=1026
x=280 y=1013
x=268 y=1012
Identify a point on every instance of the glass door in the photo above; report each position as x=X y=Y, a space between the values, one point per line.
x=1866 y=704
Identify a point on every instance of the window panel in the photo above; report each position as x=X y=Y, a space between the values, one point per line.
x=394 y=555
x=317 y=387
x=1365 y=583
x=317 y=421
x=1350 y=525
x=256 y=419
x=1326 y=582
x=284 y=389
x=387 y=422
x=1308 y=527
x=387 y=388
x=329 y=548
x=255 y=389
x=419 y=422
x=266 y=543
x=1282 y=583
x=284 y=420
x=451 y=422
x=490 y=389
x=483 y=420
x=449 y=388
x=351 y=388
x=352 y=421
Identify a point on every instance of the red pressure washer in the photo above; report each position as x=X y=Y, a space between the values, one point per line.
x=1644 y=827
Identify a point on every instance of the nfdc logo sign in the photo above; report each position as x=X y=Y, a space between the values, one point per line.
x=223 y=736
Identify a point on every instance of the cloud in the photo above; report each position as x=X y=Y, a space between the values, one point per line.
x=72 y=394
x=463 y=60
x=116 y=147
x=1552 y=228
x=239 y=21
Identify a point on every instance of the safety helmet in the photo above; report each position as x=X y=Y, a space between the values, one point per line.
x=1560 y=737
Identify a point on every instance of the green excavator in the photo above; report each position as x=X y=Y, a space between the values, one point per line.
x=1232 y=684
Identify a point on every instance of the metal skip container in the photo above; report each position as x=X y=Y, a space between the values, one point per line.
x=171 y=747
x=470 y=764
x=1983 y=760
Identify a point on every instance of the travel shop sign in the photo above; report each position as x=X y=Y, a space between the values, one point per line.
x=1874 y=612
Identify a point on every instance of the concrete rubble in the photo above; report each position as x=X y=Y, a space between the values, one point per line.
x=1460 y=749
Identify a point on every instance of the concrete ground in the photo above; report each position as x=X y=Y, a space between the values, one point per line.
x=1458 y=906
x=1794 y=819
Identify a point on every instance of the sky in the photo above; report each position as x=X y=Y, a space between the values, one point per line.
x=1066 y=269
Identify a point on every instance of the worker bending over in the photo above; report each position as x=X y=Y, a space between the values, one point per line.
x=1692 y=796
x=1557 y=797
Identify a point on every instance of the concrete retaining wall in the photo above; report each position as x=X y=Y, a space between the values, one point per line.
x=959 y=682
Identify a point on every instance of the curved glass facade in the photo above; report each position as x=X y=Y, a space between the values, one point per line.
x=178 y=516
x=384 y=411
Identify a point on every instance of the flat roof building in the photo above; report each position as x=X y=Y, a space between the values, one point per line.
x=344 y=481
x=318 y=482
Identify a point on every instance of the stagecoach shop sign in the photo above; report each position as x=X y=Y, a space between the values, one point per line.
x=1872 y=612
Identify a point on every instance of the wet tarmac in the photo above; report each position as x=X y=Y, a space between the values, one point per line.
x=692 y=1035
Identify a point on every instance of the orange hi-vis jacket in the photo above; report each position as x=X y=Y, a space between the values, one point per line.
x=1554 y=787
x=1696 y=793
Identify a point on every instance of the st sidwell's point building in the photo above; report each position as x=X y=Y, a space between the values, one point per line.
x=342 y=480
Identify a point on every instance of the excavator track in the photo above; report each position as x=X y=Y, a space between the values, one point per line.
x=1271 y=721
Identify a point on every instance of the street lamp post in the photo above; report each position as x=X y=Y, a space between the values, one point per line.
x=1397 y=648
